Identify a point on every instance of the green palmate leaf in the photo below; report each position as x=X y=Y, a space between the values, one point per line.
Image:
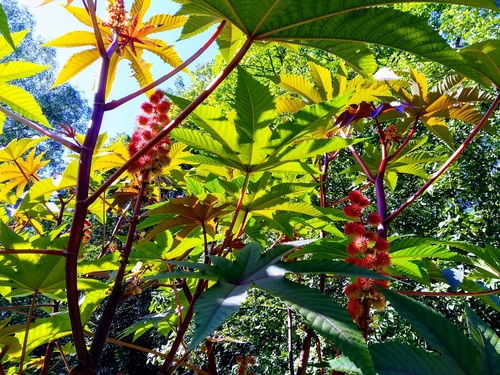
x=329 y=267
x=34 y=272
x=324 y=249
x=486 y=340
x=340 y=27
x=214 y=306
x=392 y=358
x=254 y=106
x=324 y=315
x=4 y=28
x=439 y=332
x=229 y=41
x=440 y=130
x=484 y=58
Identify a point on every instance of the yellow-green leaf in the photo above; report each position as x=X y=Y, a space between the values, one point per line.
x=287 y=104
x=76 y=63
x=22 y=102
x=300 y=85
x=141 y=68
x=165 y=22
x=73 y=39
x=19 y=69
x=5 y=48
x=323 y=80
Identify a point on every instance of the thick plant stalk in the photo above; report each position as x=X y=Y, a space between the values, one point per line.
x=304 y=354
x=379 y=183
x=447 y=164
x=76 y=233
x=110 y=309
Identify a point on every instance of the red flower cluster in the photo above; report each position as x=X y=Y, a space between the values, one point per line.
x=243 y=364
x=87 y=232
x=153 y=119
x=366 y=250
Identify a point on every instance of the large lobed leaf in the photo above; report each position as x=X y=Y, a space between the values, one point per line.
x=323 y=314
x=341 y=28
x=439 y=332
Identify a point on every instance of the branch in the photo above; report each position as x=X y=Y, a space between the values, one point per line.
x=447 y=164
x=110 y=309
x=118 y=102
x=73 y=147
x=406 y=141
x=174 y=123
x=95 y=26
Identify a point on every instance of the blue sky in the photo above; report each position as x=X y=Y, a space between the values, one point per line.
x=53 y=21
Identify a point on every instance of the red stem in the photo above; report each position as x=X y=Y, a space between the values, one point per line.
x=183 y=329
x=304 y=354
x=360 y=161
x=447 y=164
x=80 y=213
x=379 y=182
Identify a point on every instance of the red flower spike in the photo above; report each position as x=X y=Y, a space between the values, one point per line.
x=353 y=210
x=361 y=243
x=364 y=283
x=149 y=124
x=354 y=308
x=383 y=259
x=374 y=219
x=372 y=236
x=356 y=197
x=147 y=107
x=353 y=249
x=156 y=97
x=354 y=229
x=369 y=261
x=382 y=245
x=352 y=291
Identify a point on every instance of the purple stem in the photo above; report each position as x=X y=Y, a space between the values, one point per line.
x=379 y=183
x=447 y=164
x=80 y=213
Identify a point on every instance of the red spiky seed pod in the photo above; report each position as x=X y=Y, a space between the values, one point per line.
x=354 y=229
x=383 y=259
x=382 y=245
x=374 y=219
x=353 y=211
x=356 y=197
